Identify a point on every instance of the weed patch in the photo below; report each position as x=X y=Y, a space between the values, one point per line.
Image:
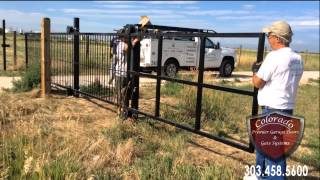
x=29 y=80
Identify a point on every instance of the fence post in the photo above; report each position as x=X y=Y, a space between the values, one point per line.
x=76 y=25
x=200 y=84
x=14 y=50
x=160 y=42
x=255 y=107
x=45 y=57
x=135 y=66
x=26 y=48
x=129 y=59
x=4 y=45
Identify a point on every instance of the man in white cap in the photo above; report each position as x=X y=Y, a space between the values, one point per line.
x=277 y=79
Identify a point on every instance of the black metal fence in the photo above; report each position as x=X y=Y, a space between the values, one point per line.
x=32 y=48
x=85 y=67
x=84 y=64
x=14 y=49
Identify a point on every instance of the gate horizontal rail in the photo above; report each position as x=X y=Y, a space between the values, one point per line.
x=191 y=83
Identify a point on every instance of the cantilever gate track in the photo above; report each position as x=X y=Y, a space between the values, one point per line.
x=82 y=64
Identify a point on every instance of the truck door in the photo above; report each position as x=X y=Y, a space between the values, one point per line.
x=212 y=55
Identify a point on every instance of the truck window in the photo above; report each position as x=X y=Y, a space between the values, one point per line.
x=209 y=43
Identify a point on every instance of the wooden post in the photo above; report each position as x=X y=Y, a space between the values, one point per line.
x=15 y=50
x=45 y=57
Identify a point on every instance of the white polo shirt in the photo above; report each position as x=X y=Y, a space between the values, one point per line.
x=281 y=70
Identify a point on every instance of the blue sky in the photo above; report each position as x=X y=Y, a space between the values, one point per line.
x=224 y=16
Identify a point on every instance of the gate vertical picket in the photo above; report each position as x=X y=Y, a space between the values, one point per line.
x=26 y=49
x=135 y=66
x=76 y=54
x=200 y=84
x=14 y=50
x=160 y=43
x=4 y=45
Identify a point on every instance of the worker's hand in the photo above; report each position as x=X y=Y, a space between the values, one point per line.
x=256 y=66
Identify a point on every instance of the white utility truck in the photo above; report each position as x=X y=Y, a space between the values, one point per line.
x=183 y=53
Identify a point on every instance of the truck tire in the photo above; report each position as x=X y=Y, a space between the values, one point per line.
x=171 y=68
x=226 y=68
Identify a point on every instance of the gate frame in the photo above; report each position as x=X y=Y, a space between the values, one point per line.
x=199 y=84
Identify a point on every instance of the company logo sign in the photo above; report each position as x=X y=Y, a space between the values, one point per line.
x=275 y=134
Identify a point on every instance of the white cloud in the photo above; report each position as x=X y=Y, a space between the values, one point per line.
x=21 y=19
x=192 y=7
x=117 y=11
x=215 y=12
x=51 y=10
x=114 y=2
x=242 y=17
x=169 y=2
x=304 y=23
x=120 y=6
x=248 y=6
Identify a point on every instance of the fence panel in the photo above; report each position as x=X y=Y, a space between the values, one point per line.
x=32 y=48
x=97 y=76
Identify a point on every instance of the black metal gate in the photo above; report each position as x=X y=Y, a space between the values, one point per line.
x=199 y=84
x=82 y=63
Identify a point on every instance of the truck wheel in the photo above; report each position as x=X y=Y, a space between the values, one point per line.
x=226 y=68
x=171 y=68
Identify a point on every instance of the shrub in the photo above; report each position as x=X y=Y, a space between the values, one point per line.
x=171 y=88
x=29 y=80
x=96 y=88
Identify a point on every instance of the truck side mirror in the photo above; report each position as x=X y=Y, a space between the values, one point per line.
x=218 y=45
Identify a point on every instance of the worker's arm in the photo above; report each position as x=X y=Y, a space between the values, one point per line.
x=257 y=82
x=125 y=48
x=135 y=40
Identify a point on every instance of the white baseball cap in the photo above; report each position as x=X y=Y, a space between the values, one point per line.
x=281 y=29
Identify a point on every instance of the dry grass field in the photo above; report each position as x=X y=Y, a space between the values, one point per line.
x=247 y=57
x=62 y=137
